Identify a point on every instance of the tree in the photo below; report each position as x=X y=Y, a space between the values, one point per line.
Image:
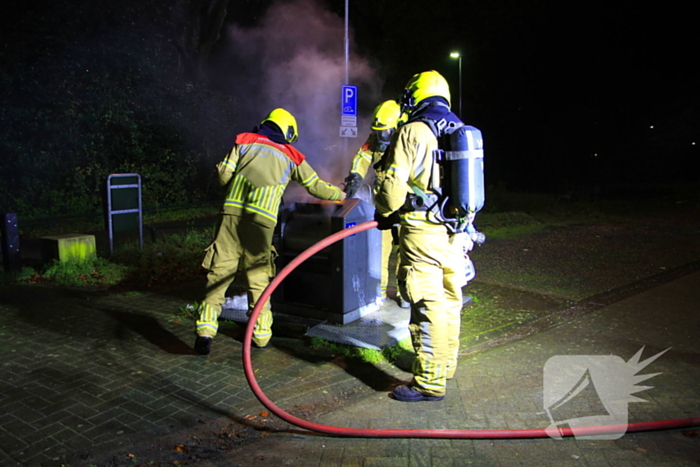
x=197 y=26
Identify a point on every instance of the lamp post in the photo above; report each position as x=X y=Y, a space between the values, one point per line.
x=458 y=56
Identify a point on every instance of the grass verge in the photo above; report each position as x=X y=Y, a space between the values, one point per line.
x=174 y=259
x=389 y=354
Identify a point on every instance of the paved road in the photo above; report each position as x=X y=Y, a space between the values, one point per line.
x=105 y=379
x=503 y=389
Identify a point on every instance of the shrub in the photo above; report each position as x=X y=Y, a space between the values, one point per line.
x=83 y=273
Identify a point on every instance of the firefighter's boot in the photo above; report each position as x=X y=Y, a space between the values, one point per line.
x=202 y=345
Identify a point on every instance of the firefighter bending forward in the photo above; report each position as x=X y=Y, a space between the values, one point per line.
x=384 y=123
x=255 y=174
x=431 y=264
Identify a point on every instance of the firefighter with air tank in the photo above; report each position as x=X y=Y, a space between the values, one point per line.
x=384 y=122
x=433 y=184
x=254 y=175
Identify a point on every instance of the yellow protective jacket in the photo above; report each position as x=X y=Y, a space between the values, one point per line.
x=366 y=156
x=256 y=172
x=409 y=163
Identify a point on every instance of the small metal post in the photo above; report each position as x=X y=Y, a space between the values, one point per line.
x=128 y=204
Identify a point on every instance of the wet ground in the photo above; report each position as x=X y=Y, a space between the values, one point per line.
x=527 y=282
x=110 y=379
x=580 y=261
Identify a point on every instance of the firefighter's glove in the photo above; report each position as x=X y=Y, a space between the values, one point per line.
x=386 y=223
x=352 y=184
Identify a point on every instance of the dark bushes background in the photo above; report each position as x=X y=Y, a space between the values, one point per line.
x=93 y=88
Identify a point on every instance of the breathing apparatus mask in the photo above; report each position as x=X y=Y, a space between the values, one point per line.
x=408 y=102
x=383 y=138
x=384 y=122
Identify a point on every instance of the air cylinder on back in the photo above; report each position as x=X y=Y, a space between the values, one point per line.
x=464 y=165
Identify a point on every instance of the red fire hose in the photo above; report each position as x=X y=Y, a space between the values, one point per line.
x=410 y=433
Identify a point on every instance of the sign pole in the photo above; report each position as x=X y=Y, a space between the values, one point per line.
x=347 y=64
x=348 y=96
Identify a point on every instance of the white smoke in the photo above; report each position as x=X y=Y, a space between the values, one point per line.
x=295 y=59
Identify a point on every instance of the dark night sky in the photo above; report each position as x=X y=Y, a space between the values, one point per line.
x=564 y=91
x=573 y=87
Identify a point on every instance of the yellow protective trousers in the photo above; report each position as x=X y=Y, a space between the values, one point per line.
x=238 y=240
x=431 y=274
x=387 y=251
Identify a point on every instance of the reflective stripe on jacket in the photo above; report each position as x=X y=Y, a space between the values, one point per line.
x=366 y=156
x=256 y=172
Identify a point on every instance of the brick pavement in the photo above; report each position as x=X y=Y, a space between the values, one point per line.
x=87 y=376
x=503 y=389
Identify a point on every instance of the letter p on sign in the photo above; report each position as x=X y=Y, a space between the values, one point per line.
x=348 y=100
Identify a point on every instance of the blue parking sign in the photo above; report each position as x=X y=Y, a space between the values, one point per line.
x=348 y=100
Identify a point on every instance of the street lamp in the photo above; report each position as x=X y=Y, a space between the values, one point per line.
x=458 y=56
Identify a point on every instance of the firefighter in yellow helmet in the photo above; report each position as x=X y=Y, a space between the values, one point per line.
x=384 y=122
x=386 y=118
x=254 y=175
x=431 y=264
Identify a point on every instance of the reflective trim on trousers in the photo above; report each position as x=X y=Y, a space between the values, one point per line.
x=262 y=331
x=207 y=324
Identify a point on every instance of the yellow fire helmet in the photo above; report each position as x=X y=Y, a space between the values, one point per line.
x=386 y=115
x=424 y=85
x=286 y=122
